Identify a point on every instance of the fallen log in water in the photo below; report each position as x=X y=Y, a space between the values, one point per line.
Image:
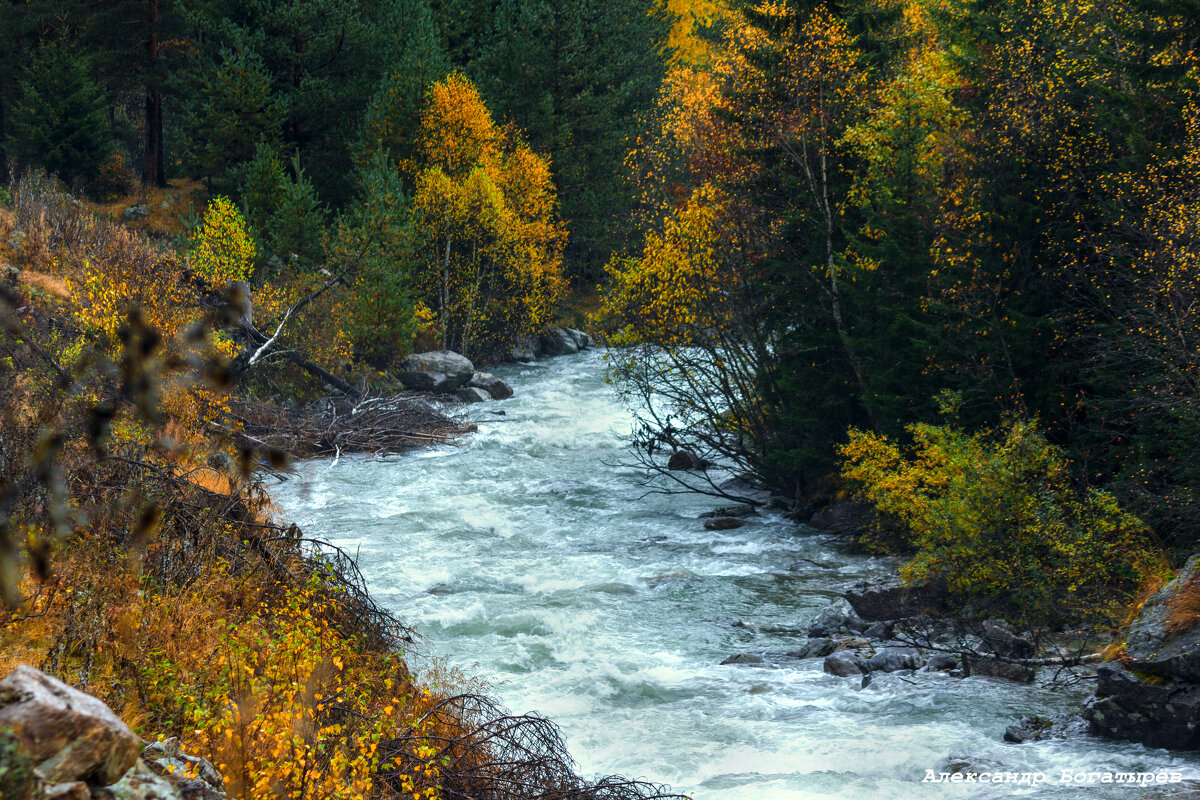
x=339 y=425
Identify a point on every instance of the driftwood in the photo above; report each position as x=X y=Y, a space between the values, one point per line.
x=339 y=425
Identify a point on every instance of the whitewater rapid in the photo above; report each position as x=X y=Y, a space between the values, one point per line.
x=533 y=556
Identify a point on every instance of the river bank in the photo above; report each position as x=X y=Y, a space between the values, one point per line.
x=530 y=555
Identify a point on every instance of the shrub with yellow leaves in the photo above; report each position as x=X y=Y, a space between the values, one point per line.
x=221 y=249
x=997 y=519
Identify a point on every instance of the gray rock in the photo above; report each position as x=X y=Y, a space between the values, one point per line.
x=745 y=510
x=836 y=617
x=684 y=461
x=1150 y=644
x=985 y=667
x=891 y=600
x=136 y=212
x=77 y=790
x=894 y=659
x=526 y=349
x=724 y=523
x=195 y=778
x=1035 y=728
x=489 y=383
x=471 y=394
x=139 y=783
x=841 y=517
x=582 y=340
x=67 y=734
x=941 y=662
x=880 y=630
x=557 y=342
x=441 y=371
x=845 y=664
x=1005 y=643
x=817 y=647
x=1127 y=707
x=744 y=658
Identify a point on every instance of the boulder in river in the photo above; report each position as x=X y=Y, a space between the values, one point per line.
x=816 y=647
x=893 y=658
x=986 y=667
x=742 y=510
x=1035 y=728
x=847 y=517
x=845 y=664
x=558 y=342
x=724 y=523
x=684 y=461
x=892 y=600
x=837 y=617
x=472 y=394
x=526 y=349
x=441 y=371
x=745 y=658
x=1154 y=698
x=1157 y=715
x=582 y=339
x=489 y=383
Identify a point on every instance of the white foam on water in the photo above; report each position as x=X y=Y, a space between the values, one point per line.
x=531 y=555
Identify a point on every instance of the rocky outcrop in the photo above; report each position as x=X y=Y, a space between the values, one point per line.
x=1157 y=715
x=57 y=743
x=440 y=371
x=68 y=736
x=1153 y=697
x=489 y=383
x=1161 y=641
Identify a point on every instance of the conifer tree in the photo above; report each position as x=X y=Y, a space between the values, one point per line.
x=58 y=121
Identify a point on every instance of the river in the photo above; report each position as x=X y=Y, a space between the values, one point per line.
x=532 y=556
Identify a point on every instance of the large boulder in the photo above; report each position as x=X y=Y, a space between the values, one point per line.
x=470 y=394
x=847 y=517
x=1157 y=715
x=684 y=461
x=837 y=617
x=1164 y=639
x=845 y=664
x=67 y=735
x=892 y=600
x=894 y=657
x=987 y=667
x=526 y=349
x=440 y=371
x=489 y=383
x=582 y=340
x=558 y=342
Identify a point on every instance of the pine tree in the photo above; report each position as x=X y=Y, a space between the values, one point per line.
x=575 y=76
x=58 y=122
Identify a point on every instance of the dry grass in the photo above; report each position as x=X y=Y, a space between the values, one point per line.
x=167 y=206
x=1183 y=607
x=51 y=285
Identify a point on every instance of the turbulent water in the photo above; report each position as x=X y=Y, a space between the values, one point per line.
x=532 y=556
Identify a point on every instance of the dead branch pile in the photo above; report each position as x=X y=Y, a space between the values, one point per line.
x=485 y=753
x=339 y=425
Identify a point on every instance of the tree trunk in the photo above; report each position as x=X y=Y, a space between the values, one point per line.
x=154 y=165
